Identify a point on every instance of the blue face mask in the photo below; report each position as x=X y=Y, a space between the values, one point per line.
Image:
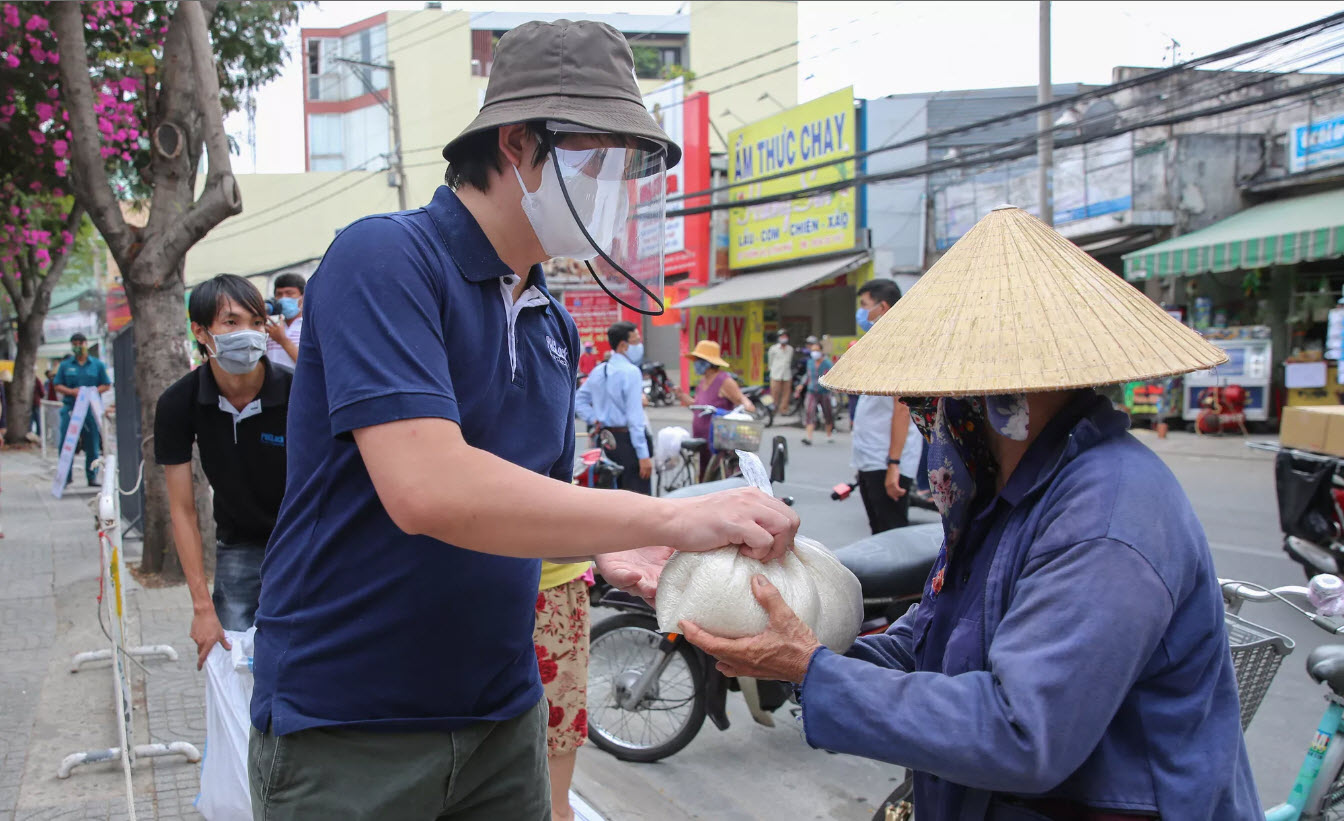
x=289 y=306
x=861 y=317
x=701 y=367
x=635 y=353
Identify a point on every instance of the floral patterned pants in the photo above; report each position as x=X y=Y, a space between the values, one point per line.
x=561 y=640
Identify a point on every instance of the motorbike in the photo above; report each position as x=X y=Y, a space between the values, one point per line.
x=657 y=387
x=1222 y=410
x=1310 y=492
x=764 y=402
x=649 y=693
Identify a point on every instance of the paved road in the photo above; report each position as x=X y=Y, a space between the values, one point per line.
x=1231 y=488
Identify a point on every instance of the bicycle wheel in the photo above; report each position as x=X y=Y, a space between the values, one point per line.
x=672 y=710
x=900 y=805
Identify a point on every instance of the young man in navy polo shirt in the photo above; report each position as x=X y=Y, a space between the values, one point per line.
x=431 y=458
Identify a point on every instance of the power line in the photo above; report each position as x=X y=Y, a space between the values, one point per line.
x=1061 y=102
x=1000 y=152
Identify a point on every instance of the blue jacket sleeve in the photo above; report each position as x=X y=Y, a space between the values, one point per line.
x=1032 y=718
x=894 y=649
x=632 y=391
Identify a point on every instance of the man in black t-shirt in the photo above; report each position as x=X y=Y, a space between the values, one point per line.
x=234 y=409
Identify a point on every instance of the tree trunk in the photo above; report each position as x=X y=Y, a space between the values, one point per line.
x=159 y=329
x=20 y=396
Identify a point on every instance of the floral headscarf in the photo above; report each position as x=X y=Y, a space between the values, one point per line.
x=960 y=462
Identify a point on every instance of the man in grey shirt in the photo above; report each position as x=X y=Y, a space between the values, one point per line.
x=885 y=446
x=780 y=360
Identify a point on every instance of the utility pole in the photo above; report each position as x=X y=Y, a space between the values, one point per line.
x=393 y=111
x=1045 y=141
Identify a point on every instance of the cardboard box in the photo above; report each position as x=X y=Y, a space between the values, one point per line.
x=1314 y=428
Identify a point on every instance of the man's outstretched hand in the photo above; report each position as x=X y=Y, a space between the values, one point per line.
x=635 y=571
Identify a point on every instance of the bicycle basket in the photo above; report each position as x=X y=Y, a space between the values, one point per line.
x=1257 y=653
x=729 y=434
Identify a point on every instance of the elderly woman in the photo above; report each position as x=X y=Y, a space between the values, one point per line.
x=1068 y=660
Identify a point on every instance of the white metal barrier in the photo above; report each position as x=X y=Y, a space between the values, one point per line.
x=113 y=570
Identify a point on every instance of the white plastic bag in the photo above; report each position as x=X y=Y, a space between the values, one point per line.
x=667 y=446
x=225 y=792
x=713 y=589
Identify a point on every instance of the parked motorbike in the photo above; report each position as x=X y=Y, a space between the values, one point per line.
x=1310 y=491
x=657 y=387
x=1222 y=410
x=649 y=693
x=764 y=402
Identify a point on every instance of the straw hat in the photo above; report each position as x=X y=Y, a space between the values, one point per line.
x=1014 y=307
x=710 y=352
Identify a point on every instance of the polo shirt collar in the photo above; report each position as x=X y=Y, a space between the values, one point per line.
x=272 y=387
x=467 y=244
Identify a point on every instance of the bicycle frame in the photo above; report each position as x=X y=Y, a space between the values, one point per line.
x=1326 y=753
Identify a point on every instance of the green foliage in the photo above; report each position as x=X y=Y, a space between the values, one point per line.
x=648 y=61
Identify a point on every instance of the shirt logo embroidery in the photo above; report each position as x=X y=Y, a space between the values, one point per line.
x=273 y=439
x=558 y=352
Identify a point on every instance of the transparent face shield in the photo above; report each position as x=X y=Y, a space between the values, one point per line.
x=617 y=196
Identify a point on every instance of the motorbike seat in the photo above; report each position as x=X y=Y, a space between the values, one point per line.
x=1325 y=665
x=693 y=444
x=893 y=563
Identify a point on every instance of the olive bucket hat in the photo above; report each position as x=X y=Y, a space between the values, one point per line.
x=578 y=72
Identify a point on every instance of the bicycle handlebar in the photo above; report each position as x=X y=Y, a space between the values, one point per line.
x=1235 y=592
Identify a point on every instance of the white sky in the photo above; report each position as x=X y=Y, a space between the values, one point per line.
x=878 y=47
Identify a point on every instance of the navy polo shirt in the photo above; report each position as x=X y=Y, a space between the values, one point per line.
x=360 y=624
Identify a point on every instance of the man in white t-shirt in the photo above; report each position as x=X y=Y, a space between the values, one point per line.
x=885 y=446
x=283 y=347
x=780 y=360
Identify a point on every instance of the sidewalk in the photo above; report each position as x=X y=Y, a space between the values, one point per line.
x=48 y=606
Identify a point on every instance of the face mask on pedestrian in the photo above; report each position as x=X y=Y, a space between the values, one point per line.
x=701 y=367
x=238 y=352
x=289 y=306
x=816 y=355
x=784 y=340
x=635 y=353
x=865 y=319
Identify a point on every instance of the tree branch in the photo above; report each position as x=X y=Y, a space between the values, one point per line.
x=220 y=198
x=90 y=175
x=8 y=282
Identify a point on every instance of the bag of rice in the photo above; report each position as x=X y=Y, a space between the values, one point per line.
x=713 y=589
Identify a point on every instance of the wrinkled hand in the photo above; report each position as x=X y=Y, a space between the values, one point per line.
x=782 y=652
x=276 y=330
x=758 y=524
x=635 y=571
x=206 y=631
x=645 y=468
x=893 y=483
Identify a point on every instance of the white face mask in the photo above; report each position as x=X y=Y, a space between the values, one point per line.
x=599 y=204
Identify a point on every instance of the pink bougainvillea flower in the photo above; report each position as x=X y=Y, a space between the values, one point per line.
x=35 y=23
x=11 y=14
x=61 y=167
x=44 y=111
x=37 y=53
x=37 y=137
x=7 y=111
x=129 y=84
x=53 y=93
x=11 y=61
x=60 y=148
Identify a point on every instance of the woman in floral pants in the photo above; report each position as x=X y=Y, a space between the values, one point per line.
x=561 y=640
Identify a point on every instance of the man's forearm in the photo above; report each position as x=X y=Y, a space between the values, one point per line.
x=900 y=429
x=104 y=388
x=191 y=553
x=485 y=503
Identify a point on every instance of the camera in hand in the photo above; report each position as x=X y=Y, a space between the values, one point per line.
x=273 y=307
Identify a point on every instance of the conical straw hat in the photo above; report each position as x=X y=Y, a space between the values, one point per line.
x=1014 y=307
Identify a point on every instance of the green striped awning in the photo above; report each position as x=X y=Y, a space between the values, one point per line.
x=1282 y=232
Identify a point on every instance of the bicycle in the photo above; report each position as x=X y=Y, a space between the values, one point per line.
x=730 y=431
x=1257 y=653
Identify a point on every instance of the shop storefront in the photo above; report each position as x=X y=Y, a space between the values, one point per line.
x=1261 y=284
x=793 y=265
